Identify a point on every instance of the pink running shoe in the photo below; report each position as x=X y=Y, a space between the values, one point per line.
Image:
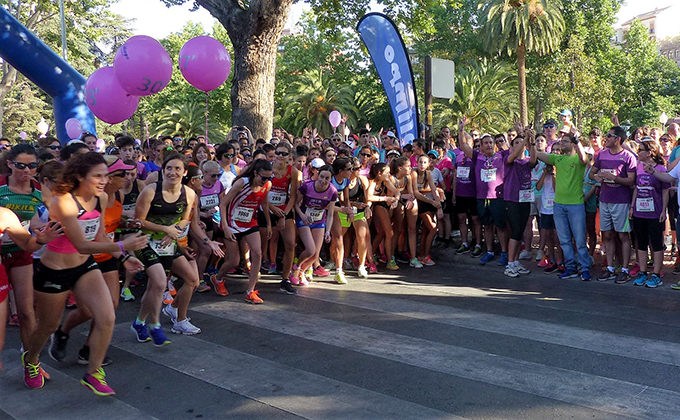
x=303 y=280
x=321 y=272
x=544 y=262
x=372 y=269
x=32 y=376
x=295 y=279
x=635 y=270
x=96 y=382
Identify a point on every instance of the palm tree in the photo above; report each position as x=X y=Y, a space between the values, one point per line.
x=521 y=26
x=186 y=120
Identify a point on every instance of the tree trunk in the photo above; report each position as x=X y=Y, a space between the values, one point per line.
x=538 y=113
x=522 y=75
x=254 y=32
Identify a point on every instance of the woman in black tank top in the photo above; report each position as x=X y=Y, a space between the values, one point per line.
x=383 y=195
x=357 y=200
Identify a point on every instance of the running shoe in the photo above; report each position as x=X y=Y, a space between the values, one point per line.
x=551 y=268
x=140 y=331
x=340 y=278
x=219 y=287
x=503 y=260
x=675 y=286
x=426 y=261
x=330 y=266
x=525 y=255
x=476 y=252
x=84 y=357
x=287 y=288
x=561 y=268
x=303 y=280
x=488 y=257
x=32 y=376
x=355 y=262
x=654 y=281
x=71 y=301
x=167 y=298
x=362 y=271
x=254 y=297
x=126 y=294
x=158 y=337
x=321 y=272
x=568 y=274
x=272 y=268
x=295 y=278
x=606 y=275
x=96 y=382
x=622 y=278
x=415 y=263
x=521 y=269
x=171 y=286
x=540 y=255
x=382 y=259
x=585 y=275
x=203 y=287
x=544 y=262
x=13 y=320
x=392 y=265
x=511 y=271
x=640 y=279
x=170 y=312
x=372 y=269
x=263 y=268
x=58 y=343
x=309 y=274
x=635 y=270
x=402 y=257
x=185 y=327
x=463 y=249
x=676 y=266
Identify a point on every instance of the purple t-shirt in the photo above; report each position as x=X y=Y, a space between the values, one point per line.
x=314 y=203
x=464 y=172
x=620 y=164
x=518 y=178
x=489 y=173
x=649 y=202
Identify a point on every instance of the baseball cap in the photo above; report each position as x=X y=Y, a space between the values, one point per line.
x=317 y=163
x=394 y=152
x=434 y=152
x=390 y=134
x=566 y=112
x=550 y=121
x=241 y=132
x=116 y=164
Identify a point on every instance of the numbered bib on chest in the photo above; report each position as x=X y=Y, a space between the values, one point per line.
x=90 y=228
x=463 y=172
x=243 y=214
x=6 y=239
x=163 y=251
x=488 y=175
x=314 y=215
x=129 y=207
x=277 y=198
x=526 y=196
x=183 y=234
x=644 y=204
x=549 y=202
x=209 y=201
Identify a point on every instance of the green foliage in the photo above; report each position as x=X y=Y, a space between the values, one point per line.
x=186 y=120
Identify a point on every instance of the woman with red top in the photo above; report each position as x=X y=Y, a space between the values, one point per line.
x=239 y=221
x=281 y=200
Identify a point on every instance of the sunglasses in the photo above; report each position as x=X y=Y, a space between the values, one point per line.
x=284 y=154
x=267 y=178
x=214 y=175
x=117 y=175
x=229 y=156
x=197 y=177
x=365 y=154
x=356 y=168
x=54 y=147
x=549 y=126
x=247 y=155
x=349 y=169
x=610 y=135
x=138 y=149
x=500 y=141
x=665 y=139
x=20 y=165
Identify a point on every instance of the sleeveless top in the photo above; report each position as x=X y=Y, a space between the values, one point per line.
x=242 y=211
x=89 y=222
x=23 y=205
x=112 y=217
x=163 y=213
x=210 y=197
x=356 y=193
x=278 y=194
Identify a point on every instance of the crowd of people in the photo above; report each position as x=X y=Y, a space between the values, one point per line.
x=81 y=226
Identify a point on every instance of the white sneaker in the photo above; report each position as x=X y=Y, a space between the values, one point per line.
x=539 y=255
x=525 y=255
x=185 y=327
x=340 y=277
x=363 y=272
x=520 y=269
x=511 y=272
x=171 y=312
x=126 y=294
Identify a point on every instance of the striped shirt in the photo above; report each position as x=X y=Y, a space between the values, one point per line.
x=242 y=210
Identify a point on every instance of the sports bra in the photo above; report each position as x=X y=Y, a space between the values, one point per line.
x=89 y=222
x=356 y=193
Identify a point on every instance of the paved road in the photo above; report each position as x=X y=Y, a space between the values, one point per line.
x=455 y=341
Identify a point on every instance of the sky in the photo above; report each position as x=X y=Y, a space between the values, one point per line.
x=148 y=14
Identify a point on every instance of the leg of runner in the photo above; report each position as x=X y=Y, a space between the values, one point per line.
x=189 y=273
x=152 y=301
x=289 y=247
x=21 y=279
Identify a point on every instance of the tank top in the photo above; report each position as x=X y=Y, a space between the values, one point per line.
x=23 y=205
x=163 y=213
x=89 y=222
x=242 y=211
x=210 y=197
x=278 y=194
x=356 y=193
x=112 y=217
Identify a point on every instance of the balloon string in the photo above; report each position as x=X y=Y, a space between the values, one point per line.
x=206 y=117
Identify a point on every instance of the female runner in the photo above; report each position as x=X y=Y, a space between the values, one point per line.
x=382 y=193
x=131 y=189
x=429 y=204
x=361 y=209
x=342 y=168
x=407 y=206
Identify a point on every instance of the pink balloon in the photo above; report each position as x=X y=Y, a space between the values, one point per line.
x=334 y=118
x=73 y=128
x=100 y=144
x=204 y=63
x=23 y=135
x=106 y=98
x=142 y=66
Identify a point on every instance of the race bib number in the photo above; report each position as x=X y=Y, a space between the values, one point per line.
x=90 y=228
x=129 y=207
x=277 y=198
x=488 y=175
x=526 y=196
x=314 y=215
x=209 y=201
x=549 y=203
x=463 y=172
x=644 y=204
x=609 y=171
x=111 y=235
x=6 y=239
x=163 y=251
x=183 y=234
x=243 y=214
